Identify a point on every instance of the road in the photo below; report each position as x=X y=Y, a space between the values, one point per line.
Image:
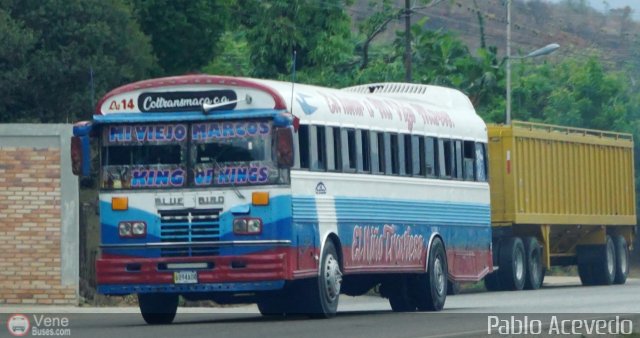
x=465 y=315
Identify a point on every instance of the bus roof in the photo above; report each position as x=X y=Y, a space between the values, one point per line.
x=394 y=107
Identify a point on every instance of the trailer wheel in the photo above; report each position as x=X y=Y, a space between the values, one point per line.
x=158 y=308
x=622 y=259
x=597 y=263
x=535 y=269
x=512 y=264
x=324 y=291
x=431 y=288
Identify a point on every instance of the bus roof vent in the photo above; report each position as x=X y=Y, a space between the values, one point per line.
x=389 y=88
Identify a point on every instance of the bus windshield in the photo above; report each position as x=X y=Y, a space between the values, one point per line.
x=203 y=154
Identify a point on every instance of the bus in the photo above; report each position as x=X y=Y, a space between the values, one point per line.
x=286 y=195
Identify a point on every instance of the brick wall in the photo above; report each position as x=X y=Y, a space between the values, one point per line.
x=32 y=242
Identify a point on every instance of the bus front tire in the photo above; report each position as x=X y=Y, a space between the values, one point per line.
x=432 y=286
x=324 y=291
x=158 y=308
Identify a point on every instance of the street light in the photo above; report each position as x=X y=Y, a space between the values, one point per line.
x=548 y=49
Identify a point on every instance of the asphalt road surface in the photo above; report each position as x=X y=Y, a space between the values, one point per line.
x=466 y=315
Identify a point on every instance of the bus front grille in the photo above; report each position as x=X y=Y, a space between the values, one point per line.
x=189 y=226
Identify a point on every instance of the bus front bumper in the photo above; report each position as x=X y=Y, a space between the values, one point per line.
x=253 y=272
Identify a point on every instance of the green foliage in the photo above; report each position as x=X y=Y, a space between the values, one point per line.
x=50 y=49
x=184 y=33
x=319 y=32
x=233 y=58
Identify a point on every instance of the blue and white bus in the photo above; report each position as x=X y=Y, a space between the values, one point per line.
x=287 y=195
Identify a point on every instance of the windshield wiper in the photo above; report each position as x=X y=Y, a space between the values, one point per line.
x=214 y=160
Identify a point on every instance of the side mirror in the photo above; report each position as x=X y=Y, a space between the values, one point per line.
x=81 y=149
x=284 y=147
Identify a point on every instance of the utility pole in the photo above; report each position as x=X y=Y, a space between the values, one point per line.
x=407 y=42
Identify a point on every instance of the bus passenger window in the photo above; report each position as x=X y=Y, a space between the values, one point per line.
x=431 y=157
x=408 y=156
x=318 y=151
x=303 y=146
x=395 y=153
x=481 y=162
x=378 y=153
x=417 y=145
x=457 y=165
x=447 y=158
x=352 y=153
x=468 y=162
x=365 y=151
x=334 y=150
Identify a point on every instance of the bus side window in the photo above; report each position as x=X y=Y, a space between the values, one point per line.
x=350 y=154
x=386 y=153
x=431 y=156
x=446 y=157
x=481 y=162
x=417 y=155
x=377 y=153
x=363 y=146
x=394 y=154
x=457 y=165
x=468 y=151
x=318 y=153
x=408 y=156
x=303 y=147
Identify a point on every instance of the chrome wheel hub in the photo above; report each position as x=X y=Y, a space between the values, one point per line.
x=332 y=278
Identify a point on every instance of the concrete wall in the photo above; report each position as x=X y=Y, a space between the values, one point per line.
x=38 y=215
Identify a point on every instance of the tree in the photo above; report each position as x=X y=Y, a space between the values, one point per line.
x=59 y=45
x=184 y=33
x=319 y=32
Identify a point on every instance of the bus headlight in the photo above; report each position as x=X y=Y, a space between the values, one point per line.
x=247 y=226
x=139 y=229
x=132 y=229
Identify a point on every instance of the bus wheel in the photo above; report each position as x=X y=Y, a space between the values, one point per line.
x=432 y=286
x=597 y=263
x=400 y=297
x=324 y=292
x=274 y=305
x=512 y=264
x=535 y=269
x=622 y=259
x=158 y=308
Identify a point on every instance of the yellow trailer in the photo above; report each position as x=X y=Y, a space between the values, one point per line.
x=560 y=196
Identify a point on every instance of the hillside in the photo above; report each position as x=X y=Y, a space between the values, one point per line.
x=579 y=29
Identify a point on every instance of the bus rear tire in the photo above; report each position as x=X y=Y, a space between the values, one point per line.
x=324 y=291
x=622 y=259
x=535 y=269
x=512 y=264
x=158 y=308
x=432 y=286
x=400 y=296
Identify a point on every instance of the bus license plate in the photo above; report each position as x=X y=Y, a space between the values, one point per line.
x=185 y=277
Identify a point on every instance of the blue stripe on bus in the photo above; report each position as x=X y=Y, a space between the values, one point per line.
x=124 y=289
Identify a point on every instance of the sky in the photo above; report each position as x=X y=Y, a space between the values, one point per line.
x=601 y=5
